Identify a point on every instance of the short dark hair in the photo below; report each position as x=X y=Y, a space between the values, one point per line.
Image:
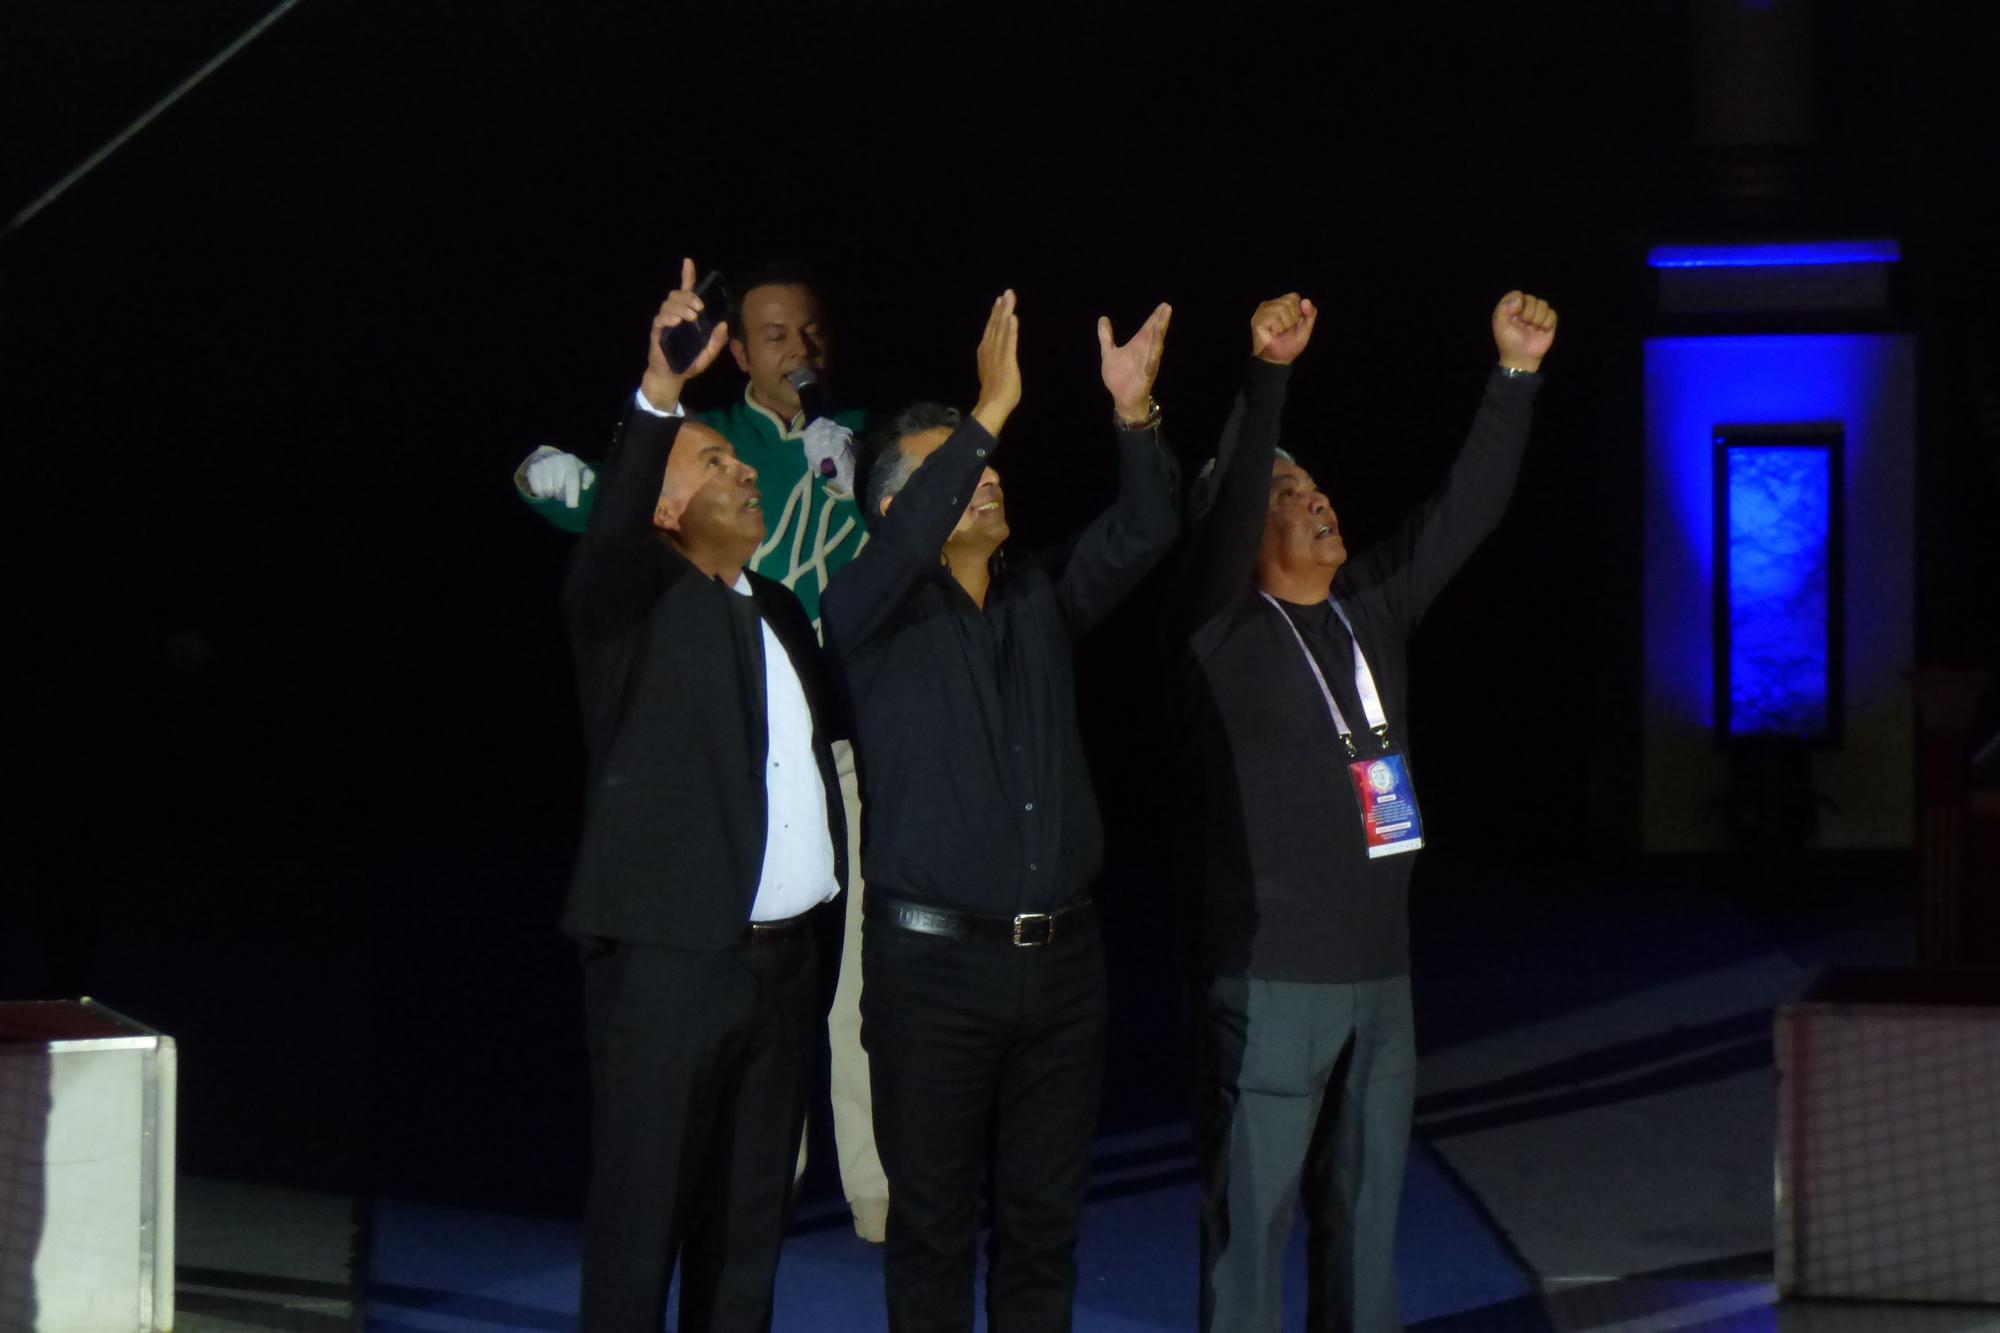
x=768 y=273
x=880 y=465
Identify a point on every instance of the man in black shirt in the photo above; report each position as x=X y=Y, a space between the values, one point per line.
x=1294 y=672
x=983 y=1006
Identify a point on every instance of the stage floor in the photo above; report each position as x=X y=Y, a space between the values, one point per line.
x=1593 y=1151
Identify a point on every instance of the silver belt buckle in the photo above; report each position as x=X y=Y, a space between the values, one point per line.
x=1025 y=936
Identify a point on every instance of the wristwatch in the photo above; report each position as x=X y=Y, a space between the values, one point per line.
x=1151 y=421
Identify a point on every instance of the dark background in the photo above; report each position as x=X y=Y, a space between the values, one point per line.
x=292 y=743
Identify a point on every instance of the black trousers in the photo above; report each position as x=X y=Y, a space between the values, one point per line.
x=971 y=1045
x=1304 y=1090
x=699 y=1065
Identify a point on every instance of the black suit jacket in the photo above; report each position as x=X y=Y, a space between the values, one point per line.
x=670 y=672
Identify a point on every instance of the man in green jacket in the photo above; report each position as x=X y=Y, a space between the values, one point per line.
x=805 y=469
x=805 y=473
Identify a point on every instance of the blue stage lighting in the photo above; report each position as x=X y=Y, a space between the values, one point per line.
x=1777 y=604
x=1696 y=386
x=1799 y=254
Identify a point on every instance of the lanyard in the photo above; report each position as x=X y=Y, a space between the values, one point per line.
x=1364 y=680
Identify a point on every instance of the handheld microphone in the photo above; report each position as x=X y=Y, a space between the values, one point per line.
x=812 y=394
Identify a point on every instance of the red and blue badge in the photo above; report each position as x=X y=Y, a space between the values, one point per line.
x=1390 y=821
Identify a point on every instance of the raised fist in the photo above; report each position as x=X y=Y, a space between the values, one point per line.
x=1281 y=328
x=1524 y=328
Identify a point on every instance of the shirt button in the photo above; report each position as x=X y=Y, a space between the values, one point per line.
x=1033 y=866
x=979 y=453
x=1029 y=806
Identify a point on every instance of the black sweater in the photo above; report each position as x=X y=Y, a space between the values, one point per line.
x=1277 y=876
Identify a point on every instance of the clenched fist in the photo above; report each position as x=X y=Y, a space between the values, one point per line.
x=1281 y=328
x=1524 y=328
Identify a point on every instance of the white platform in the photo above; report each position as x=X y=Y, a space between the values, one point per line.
x=86 y=1170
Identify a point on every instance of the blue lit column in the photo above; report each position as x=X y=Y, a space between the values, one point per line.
x=1858 y=388
x=1778 y=653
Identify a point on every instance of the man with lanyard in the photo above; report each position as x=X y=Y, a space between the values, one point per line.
x=984 y=1011
x=805 y=472
x=1293 y=670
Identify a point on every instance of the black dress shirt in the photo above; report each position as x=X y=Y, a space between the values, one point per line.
x=975 y=791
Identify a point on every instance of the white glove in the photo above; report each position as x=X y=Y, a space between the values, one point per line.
x=550 y=472
x=830 y=455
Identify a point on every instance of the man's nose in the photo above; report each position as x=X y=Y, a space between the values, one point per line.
x=989 y=478
x=747 y=474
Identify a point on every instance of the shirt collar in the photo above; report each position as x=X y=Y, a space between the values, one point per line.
x=783 y=427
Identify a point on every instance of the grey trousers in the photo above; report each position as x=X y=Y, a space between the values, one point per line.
x=1302 y=1090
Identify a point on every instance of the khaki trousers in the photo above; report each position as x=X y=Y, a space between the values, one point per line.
x=861 y=1175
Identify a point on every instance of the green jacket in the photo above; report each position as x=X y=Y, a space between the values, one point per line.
x=811 y=534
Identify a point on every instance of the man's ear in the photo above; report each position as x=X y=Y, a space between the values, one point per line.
x=887 y=500
x=741 y=353
x=667 y=513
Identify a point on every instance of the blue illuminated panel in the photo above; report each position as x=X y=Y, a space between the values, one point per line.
x=1800 y=254
x=1777 y=631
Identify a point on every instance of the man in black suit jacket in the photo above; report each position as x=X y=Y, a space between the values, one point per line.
x=712 y=832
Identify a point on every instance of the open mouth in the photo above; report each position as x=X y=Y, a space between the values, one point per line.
x=986 y=508
x=1325 y=530
x=754 y=502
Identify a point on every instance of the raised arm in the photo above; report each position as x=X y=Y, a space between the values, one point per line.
x=1413 y=565
x=1117 y=549
x=1222 y=554
x=613 y=574
x=905 y=539
x=559 y=485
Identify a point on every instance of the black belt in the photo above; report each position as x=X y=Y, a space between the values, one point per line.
x=772 y=932
x=1025 y=930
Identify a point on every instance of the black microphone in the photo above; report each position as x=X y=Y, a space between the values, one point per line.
x=812 y=394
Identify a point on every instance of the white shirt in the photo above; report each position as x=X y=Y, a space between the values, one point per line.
x=639 y=396
x=798 y=849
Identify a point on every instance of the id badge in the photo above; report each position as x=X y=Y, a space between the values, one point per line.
x=1390 y=823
